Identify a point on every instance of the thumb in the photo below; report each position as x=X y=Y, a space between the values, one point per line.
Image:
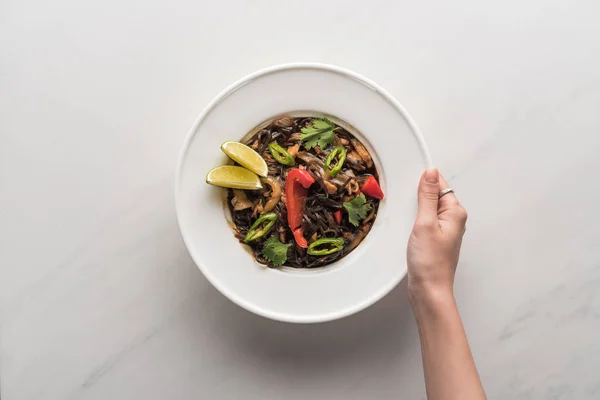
x=429 y=189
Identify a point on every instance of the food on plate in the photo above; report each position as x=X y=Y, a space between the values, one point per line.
x=233 y=177
x=317 y=196
x=246 y=157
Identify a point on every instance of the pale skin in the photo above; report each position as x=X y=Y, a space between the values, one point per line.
x=433 y=251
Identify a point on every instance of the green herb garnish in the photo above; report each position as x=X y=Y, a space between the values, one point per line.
x=275 y=251
x=357 y=208
x=318 y=133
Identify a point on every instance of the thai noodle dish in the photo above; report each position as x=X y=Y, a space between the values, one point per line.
x=303 y=192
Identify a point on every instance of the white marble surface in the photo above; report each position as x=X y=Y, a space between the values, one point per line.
x=99 y=298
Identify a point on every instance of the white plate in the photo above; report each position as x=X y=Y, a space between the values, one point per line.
x=295 y=295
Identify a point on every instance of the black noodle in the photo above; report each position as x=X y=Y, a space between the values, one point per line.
x=319 y=206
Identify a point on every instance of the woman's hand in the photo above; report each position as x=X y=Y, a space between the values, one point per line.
x=433 y=250
x=434 y=245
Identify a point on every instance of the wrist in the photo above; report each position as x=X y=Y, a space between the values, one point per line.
x=430 y=299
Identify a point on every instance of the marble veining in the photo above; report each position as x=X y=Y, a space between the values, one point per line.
x=98 y=296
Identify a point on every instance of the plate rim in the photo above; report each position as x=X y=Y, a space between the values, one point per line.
x=316 y=318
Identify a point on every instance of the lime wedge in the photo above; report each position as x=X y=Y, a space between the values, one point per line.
x=233 y=177
x=245 y=156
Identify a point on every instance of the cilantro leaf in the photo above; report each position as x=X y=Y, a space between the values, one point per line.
x=275 y=251
x=322 y=124
x=319 y=133
x=357 y=209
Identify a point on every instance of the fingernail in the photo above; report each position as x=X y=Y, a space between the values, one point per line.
x=432 y=175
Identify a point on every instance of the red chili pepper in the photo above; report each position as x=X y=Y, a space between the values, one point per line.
x=296 y=188
x=299 y=237
x=337 y=215
x=372 y=189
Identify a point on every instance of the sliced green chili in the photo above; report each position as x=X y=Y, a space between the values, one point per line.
x=338 y=153
x=260 y=227
x=330 y=246
x=281 y=155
